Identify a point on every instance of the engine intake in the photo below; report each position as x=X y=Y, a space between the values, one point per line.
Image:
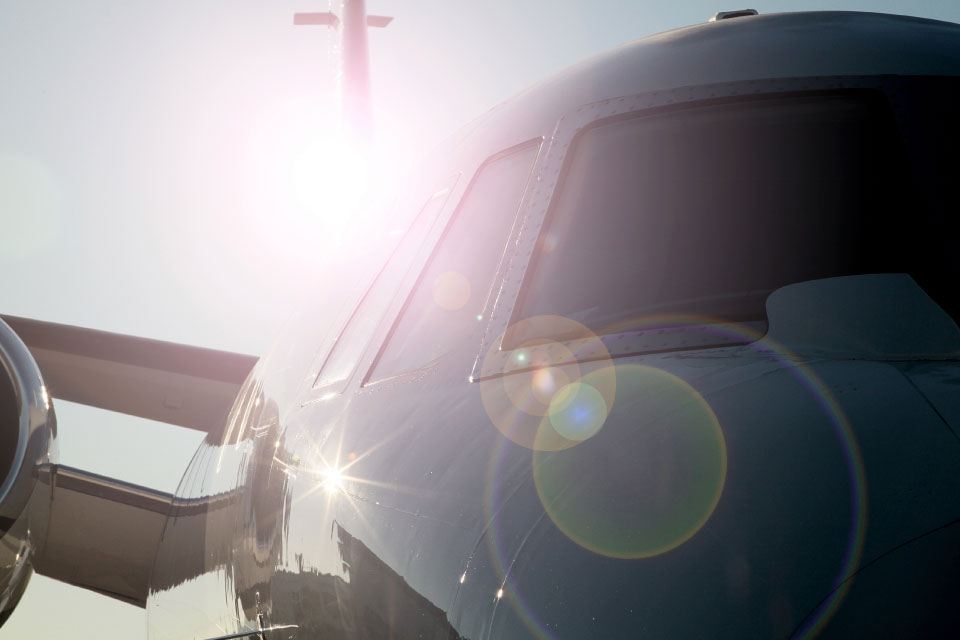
x=27 y=447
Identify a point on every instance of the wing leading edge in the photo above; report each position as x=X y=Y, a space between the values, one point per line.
x=183 y=385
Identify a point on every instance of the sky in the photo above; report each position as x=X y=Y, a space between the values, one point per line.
x=165 y=171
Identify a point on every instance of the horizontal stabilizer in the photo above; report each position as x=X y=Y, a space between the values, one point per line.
x=379 y=21
x=104 y=533
x=178 y=384
x=323 y=18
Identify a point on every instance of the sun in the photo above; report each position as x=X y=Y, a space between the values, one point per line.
x=330 y=174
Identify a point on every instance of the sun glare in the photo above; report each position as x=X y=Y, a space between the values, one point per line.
x=332 y=480
x=330 y=175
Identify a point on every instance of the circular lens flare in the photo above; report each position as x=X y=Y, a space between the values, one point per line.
x=532 y=390
x=533 y=393
x=451 y=290
x=755 y=344
x=577 y=411
x=648 y=481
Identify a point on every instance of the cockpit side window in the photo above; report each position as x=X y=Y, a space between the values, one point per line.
x=705 y=210
x=447 y=302
x=354 y=338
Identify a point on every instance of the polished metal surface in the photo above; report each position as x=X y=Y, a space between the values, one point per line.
x=260 y=634
x=789 y=482
x=411 y=515
x=29 y=436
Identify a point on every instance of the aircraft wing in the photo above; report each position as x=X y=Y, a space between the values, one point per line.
x=72 y=525
x=178 y=384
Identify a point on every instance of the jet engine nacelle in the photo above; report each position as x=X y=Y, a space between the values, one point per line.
x=27 y=448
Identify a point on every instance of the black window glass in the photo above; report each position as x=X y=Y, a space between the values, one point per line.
x=446 y=304
x=706 y=210
x=353 y=340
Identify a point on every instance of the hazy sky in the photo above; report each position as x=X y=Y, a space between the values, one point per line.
x=156 y=175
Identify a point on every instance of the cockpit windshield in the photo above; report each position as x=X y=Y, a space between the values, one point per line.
x=707 y=209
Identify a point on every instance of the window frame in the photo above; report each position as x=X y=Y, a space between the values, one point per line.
x=536 y=143
x=447 y=190
x=494 y=361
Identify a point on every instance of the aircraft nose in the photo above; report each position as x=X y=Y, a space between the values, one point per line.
x=734 y=509
x=615 y=531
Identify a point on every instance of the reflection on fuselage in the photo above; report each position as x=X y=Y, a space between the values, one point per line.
x=779 y=469
x=224 y=554
x=370 y=601
x=440 y=527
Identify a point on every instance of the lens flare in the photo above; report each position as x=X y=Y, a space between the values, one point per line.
x=649 y=481
x=332 y=480
x=531 y=391
x=577 y=411
x=330 y=174
x=757 y=342
x=451 y=290
x=532 y=394
x=557 y=470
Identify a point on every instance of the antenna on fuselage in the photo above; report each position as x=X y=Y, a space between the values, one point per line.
x=354 y=80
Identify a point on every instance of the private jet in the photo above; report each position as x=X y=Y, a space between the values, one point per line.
x=668 y=349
